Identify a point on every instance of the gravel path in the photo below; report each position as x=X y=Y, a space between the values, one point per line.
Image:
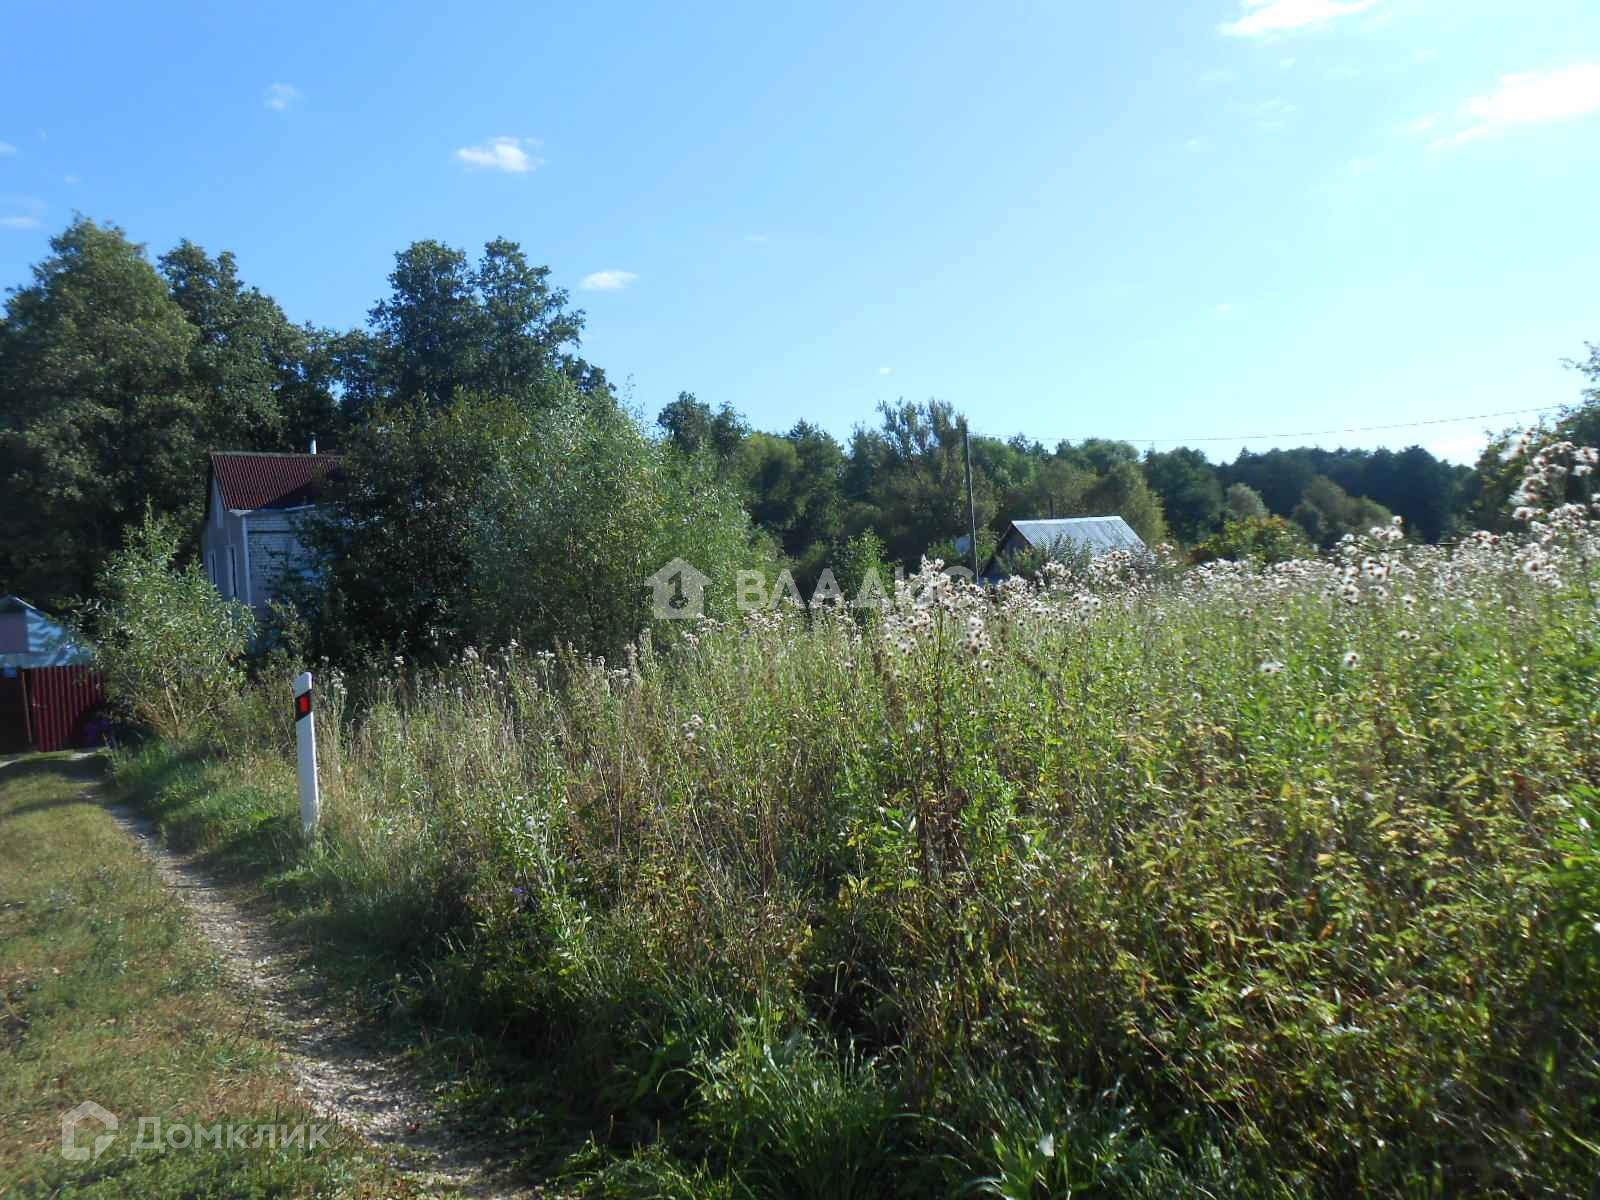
x=370 y=1092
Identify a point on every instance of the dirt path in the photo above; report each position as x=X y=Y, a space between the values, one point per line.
x=370 y=1092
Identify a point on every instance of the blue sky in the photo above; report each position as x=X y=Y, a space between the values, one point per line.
x=1161 y=221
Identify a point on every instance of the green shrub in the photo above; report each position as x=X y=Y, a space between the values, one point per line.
x=169 y=646
x=1261 y=539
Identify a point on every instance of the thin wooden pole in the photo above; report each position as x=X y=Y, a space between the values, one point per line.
x=27 y=710
x=972 y=512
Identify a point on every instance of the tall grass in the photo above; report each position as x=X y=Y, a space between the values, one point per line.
x=1244 y=881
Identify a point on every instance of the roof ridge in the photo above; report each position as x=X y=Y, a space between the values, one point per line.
x=270 y=454
x=1060 y=520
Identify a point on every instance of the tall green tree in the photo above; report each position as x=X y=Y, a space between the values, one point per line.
x=1242 y=502
x=99 y=413
x=1327 y=512
x=491 y=518
x=264 y=382
x=1279 y=477
x=494 y=327
x=1189 y=489
x=392 y=564
x=694 y=429
x=1122 y=491
x=578 y=512
x=906 y=480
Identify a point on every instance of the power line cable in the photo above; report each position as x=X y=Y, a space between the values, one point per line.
x=1264 y=437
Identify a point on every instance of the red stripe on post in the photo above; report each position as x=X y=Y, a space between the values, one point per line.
x=302 y=705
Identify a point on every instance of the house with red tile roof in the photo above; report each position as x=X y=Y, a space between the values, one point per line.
x=255 y=505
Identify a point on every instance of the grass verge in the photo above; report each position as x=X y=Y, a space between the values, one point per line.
x=107 y=995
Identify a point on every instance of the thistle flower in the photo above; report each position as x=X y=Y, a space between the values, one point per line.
x=1352 y=660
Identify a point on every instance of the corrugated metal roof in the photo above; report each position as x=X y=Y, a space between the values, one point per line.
x=30 y=640
x=254 y=480
x=1099 y=534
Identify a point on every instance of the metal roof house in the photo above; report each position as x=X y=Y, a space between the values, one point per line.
x=1097 y=535
x=48 y=693
x=251 y=537
x=29 y=639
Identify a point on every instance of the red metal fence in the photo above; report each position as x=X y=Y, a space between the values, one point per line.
x=61 y=701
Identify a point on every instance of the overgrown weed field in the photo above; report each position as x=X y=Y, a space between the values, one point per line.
x=1237 y=882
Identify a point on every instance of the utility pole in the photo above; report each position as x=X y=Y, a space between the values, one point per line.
x=972 y=512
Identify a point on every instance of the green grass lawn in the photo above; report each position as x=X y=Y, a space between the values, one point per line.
x=108 y=995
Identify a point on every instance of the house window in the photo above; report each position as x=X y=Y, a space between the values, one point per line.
x=233 y=571
x=216 y=579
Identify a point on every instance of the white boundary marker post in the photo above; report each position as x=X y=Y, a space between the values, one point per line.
x=305 y=733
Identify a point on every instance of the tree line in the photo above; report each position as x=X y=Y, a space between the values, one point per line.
x=486 y=451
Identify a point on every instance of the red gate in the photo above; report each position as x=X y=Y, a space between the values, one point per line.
x=58 y=704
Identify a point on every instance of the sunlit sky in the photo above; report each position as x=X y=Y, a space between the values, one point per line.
x=1162 y=221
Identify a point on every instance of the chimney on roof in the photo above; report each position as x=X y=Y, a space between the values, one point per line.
x=313 y=444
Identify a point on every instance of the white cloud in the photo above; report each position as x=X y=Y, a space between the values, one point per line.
x=281 y=96
x=70 y=179
x=507 y=154
x=1224 y=308
x=1261 y=18
x=756 y=239
x=1363 y=166
x=7 y=149
x=1197 y=145
x=885 y=370
x=1530 y=98
x=1271 y=114
x=607 y=281
x=1423 y=124
x=25 y=212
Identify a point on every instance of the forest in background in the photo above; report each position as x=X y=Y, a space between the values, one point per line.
x=118 y=374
